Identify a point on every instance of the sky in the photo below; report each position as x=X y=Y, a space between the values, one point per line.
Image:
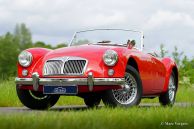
x=170 y=22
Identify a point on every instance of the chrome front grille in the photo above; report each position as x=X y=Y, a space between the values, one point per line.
x=53 y=67
x=65 y=66
x=74 y=67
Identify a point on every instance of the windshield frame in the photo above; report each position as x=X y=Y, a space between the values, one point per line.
x=140 y=32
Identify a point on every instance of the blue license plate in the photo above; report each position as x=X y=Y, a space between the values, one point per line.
x=60 y=90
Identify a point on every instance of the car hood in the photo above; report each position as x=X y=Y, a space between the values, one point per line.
x=84 y=51
x=92 y=53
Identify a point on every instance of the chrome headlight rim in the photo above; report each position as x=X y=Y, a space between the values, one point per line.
x=109 y=53
x=25 y=58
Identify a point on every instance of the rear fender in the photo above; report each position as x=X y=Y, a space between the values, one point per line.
x=170 y=66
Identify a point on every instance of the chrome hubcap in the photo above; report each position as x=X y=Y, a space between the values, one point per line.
x=129 y=91
x=171 y=89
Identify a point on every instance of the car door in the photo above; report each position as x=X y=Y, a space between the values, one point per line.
x=151 y=71
x=159 y=73
x=147 y=72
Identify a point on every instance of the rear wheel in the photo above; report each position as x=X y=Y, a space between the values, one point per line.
x=168 y=98
x=129 y=95
x=35 y=99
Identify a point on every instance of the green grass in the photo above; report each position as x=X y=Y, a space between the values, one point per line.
x=9 y=97
x=184 y=94
x=8 y=94
x=103 y=118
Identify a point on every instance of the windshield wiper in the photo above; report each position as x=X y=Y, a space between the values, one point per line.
x=111 y=44
x=104 y=41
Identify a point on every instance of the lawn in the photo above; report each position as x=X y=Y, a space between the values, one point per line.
x=102 y=118
x=154 y=117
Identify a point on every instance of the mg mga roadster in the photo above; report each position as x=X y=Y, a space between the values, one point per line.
x=100 y=64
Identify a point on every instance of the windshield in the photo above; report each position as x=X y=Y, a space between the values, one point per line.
x=107 y=37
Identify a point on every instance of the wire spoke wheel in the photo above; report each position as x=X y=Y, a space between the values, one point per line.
x=129 y=91
x=168 y=98
x=171 y=88
x=129 y=95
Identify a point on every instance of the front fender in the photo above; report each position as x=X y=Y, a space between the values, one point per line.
x=37 y=55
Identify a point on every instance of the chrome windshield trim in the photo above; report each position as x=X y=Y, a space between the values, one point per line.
x=113 y=44
x=138 y=31
x=109 y=29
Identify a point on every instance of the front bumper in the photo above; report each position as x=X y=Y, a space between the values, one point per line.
x=89 y=81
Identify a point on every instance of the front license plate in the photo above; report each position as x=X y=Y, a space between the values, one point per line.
x=60 y=90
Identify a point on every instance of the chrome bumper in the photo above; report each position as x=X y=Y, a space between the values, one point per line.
x=90 y=81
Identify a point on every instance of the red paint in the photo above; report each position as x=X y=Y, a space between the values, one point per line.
x=154 y=72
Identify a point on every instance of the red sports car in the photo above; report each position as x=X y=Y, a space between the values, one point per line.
x=100 y=64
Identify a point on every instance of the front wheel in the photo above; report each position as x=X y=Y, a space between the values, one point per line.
x=129 y=95
x=168 y=98
x=92 y=100
x=35 y=99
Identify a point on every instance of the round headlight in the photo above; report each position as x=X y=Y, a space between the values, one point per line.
x=25 y=58
x=110 y=57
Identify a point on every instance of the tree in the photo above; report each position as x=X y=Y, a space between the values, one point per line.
x=42 y=44
x=186 y=70
x=177 y=55
x=163 y=52
x=60 y=45
x=23 y=36
x=8 y=55
x=12 y=44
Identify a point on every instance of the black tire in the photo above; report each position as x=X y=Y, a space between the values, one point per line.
x=92 y=100
x=36 y=100
x=109 y=98
x=164 y=98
